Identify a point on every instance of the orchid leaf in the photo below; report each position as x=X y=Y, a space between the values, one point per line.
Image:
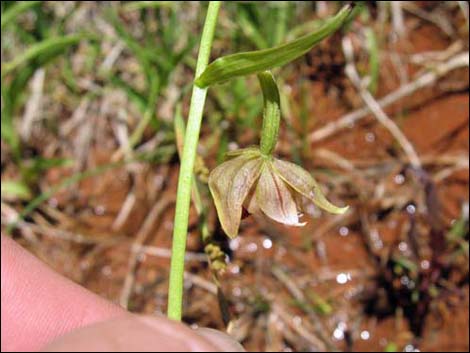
x=241 y=64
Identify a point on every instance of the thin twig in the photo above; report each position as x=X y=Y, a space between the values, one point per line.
x=397 y=18
x=33 y=106
x=298 y=327
x=125 y=211
x=200 y=282
x=375 y=107
x=435 y=17
x=141 y=237
x=427 y=79
x=295 y=291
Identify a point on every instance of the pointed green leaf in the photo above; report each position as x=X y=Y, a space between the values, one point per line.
x=55 y=45
x=230 y=184
x=241 y=64
x=14 y=10
x=301 y=180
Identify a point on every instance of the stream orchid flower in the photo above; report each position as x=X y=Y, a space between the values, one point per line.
x=263 y=184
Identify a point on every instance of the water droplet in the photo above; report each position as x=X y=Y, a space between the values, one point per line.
x=338 y=334
x=405 y=280
x=234 y=269
x=252 y=247
x=370 y=137
x=344 y=231
x=399 y=179
x=106 y=270
x=411 y=209
x=100 y=210
x=403 y=246
x=410 y=348
x=234 y=244
x=194 y=326
x=342 y=278
x=267 y=243
x=365 y=335
x=425 y=264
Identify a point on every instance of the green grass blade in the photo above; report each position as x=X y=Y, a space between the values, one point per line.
x=15 y=10
x=374 y=64
x=14 y=189
x=42 y=48
x=75 y=178
x=247 y=63
x=139 y=5
x=250 y=31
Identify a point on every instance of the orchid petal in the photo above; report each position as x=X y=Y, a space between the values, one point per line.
x=301 y=180
x=230 y=184
x=275 y=199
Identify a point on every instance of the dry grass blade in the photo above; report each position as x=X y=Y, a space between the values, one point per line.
x=458 y=61
x=353 y=75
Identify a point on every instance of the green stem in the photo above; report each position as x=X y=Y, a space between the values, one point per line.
x=271 y=112
x=183 y=196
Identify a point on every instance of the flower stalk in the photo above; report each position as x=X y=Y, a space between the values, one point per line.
x=271 y=113
x=254 y=180
x=183 y=196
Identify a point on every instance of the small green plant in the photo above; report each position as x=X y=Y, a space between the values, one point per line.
x=281 y=186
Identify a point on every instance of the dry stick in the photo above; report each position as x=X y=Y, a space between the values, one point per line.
x=295 y=291
x=435 y=18
x=397 y=18
x=375 y=107
x=33 y=106
x=436 y=56
x=464 y=8
x=9 y=213
x=303 y=332
x=447 y=172
x=427 y=79
x=166 y=253
x=125 y=211
x=142 y=235
x=76 y=119
x=201 y=282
